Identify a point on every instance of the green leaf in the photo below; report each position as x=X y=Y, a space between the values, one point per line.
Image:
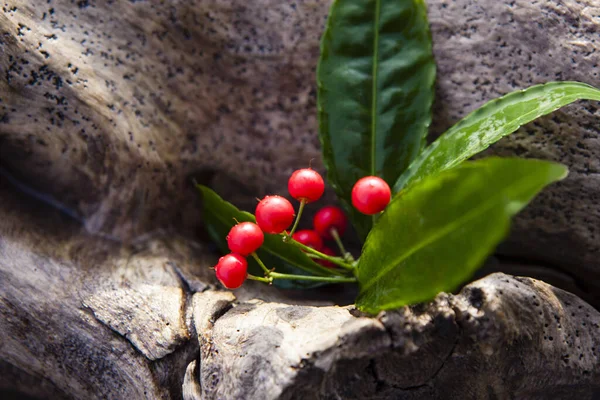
x=496 y=119
x=375 y=89
x=435 y=235
x=219 y=218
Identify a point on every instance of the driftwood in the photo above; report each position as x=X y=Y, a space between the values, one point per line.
x=108 y=108
x=84 y=317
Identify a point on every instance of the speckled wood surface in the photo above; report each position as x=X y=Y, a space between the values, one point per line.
x=109 y=108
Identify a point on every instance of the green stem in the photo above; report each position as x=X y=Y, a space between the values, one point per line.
x=336 y=237
x=260 y=279
x=335 y=260
x=262 y=265
x=316 y=257
x=300 y=209
x=329 y=279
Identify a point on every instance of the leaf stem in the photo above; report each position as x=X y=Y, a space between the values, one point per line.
x=336 y=237
x=271 y=275
x=335 y=260
x=298 y=216
x=316 y=257
x=262 y=265
x=374 y=85
x=330 y=279
x=260 y=279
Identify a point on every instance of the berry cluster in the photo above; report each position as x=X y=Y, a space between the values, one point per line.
x=274 y=214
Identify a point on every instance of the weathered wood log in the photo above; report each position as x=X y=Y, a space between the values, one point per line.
x=501 y=337
x=88 y=317
x=83 y=317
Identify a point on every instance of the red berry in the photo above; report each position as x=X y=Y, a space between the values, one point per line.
x=328 y=218
x=309 y=238
x=232 y=270
x=274 y=214
x=306 y=184
x=371 y=195
x=245 y=238
x=329 y=252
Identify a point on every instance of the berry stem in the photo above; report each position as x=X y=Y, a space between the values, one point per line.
x=262 y=265
x=336 y=237
x=335 y=260
x=330 y=279
x=270 y=276
x=268 y=280
x=300 y=209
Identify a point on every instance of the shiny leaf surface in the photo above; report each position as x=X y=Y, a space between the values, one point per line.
x=496 y=119
x=375 y=89
x=438 y=232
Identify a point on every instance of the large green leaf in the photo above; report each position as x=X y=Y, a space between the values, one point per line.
x=435 y=235
x=375 y=89
x=220 y=217
x=496 y=119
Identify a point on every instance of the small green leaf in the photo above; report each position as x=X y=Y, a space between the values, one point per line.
x=496 y=119
x=375 y=89
x=219 y=218
x=435 y=235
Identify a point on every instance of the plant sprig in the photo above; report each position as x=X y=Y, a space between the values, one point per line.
x=375 y=82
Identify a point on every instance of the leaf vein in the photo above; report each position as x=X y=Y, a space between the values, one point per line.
x=374 y=92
